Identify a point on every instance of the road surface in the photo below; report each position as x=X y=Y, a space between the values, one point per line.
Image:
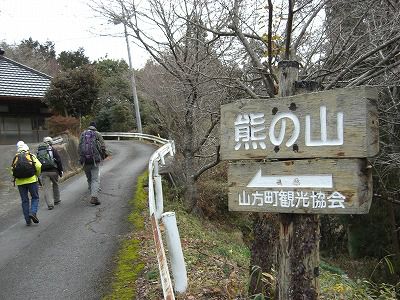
x=69 y=254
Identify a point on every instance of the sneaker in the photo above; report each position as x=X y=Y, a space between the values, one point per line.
x=57 y=202
x=51 y=207
x=29 y=223
x=95 y=201
x=34 y=218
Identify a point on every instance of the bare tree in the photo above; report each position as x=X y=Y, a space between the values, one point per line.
x=364 y=50
x=338 y=43
x=40 y=56
x=192 y=81
x=360 y=45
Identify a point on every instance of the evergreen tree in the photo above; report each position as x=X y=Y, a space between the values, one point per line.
x=74 y=92
x=73 y=59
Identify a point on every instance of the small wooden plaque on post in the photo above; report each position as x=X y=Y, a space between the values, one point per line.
x=328 y=186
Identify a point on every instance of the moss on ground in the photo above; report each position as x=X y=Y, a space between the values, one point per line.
x=129 y=264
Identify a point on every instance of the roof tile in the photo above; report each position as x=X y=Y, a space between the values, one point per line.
x=18 y=80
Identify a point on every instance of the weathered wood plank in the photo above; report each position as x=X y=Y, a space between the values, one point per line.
x=351 y=113
x=301 y=186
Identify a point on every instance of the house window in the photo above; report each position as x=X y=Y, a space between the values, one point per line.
x=4 y=108
x=11 y=124
x=25 y=124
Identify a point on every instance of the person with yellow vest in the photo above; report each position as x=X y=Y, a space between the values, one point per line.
x=26 y=169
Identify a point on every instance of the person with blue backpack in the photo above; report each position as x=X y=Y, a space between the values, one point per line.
x=52 y=169
x=25 y=169
x=92 y=151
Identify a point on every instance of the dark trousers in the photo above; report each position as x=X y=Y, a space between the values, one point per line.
x=32 y=205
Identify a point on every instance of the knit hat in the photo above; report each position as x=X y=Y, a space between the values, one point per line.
x=48 y=140
x=93 y=123
x=21 y=146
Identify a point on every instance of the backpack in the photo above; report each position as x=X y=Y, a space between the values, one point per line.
x=89 y=148
x=45 y=156
x=23 y=165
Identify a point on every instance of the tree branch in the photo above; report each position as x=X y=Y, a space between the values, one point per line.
x=303 y=31
x=374 y=72
x=363 y=57
x=247 y=89
x=289 y=26
x=382 y=70
x=207 y=134
x=270 y=17
x=269 y=85
x=208 y=166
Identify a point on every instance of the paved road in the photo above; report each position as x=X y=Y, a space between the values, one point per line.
x=70 y=253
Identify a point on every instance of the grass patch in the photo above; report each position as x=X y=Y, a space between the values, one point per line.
x=216 y=257
x=336 y=286
x=218 y=264
x=217 y=261
x=129 y=265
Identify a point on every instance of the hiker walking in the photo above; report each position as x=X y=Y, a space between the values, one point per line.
x=92 y=151
x=26 y=170
x=52 y=169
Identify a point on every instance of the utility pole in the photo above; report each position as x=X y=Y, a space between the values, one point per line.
x=133 y=82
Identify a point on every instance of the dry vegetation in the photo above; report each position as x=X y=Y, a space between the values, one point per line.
x=217 y=261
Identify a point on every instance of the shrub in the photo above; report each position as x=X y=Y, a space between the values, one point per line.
x=212 y=191
x=59 y=124
x=335 y=286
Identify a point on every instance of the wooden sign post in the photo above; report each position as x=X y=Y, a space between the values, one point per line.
x=321 y=141
x=302 y=154
x=338 y=123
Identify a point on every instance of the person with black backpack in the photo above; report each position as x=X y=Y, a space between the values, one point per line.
x=26 y=169
x=52 y=169
x=92 y=151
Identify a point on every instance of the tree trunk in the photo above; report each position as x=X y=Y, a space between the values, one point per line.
x=190 y=192
x=394 y=236
x=188 y=153
x=298 y=252
x=394 y=229
x=190 y=184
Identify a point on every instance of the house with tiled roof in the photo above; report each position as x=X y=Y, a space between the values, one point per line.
x=22 y=112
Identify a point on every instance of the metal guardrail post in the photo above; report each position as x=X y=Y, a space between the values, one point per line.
x=159 y=196
x=175 y=252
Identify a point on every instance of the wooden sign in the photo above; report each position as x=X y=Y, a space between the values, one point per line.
x=331 y=124
x=328 y=186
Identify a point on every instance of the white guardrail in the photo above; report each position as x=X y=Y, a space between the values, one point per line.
x=156 y=207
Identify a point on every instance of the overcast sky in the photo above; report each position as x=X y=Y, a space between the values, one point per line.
x=70 y=24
